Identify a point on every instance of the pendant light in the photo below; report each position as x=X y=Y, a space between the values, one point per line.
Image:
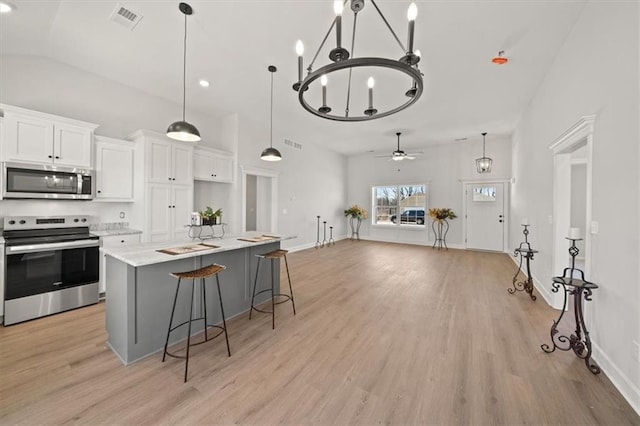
x=181 y=130
x=271 y=154
x=483 y=164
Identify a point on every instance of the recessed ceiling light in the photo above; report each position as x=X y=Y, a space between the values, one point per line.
x=203 y=82
x=5 y=7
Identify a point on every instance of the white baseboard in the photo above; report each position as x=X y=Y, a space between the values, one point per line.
x=301 y=247
x=629 y=391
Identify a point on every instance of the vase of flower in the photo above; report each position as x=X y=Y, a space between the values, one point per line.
x=355 y=214
x=440 y=226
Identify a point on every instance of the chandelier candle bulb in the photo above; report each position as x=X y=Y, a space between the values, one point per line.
x=371 y=82
x=324 y=108
x=412 y=14
x=338 y=7
x=574 y=234
x=299 y=51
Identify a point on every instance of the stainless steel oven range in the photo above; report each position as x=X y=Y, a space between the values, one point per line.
x=51 y=265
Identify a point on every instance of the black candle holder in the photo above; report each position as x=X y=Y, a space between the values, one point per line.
x=317 y=244
x=525 y=253
x=324 y=234
x=331 y=240
x=581 y=289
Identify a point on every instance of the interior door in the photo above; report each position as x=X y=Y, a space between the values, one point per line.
x=484 y=216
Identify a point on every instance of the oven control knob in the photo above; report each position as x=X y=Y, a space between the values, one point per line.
x=76 y=220
x=22 y=222
x=12 y=222
x=84 y=219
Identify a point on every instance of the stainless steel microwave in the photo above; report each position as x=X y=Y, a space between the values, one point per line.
x=46 y=181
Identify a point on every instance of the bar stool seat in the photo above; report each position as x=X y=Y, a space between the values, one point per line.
x=202 y=274
x=272 y=255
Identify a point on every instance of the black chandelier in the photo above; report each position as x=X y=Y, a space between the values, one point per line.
x=483 y=164
x=342 y=59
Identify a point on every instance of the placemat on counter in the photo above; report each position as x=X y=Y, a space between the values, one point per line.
x=187 y=249
x=259 y=238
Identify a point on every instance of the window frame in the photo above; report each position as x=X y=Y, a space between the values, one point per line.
x=398 y=224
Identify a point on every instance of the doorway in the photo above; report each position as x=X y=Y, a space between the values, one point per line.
x=484 y=216
x=572 y=163
x=259 y=199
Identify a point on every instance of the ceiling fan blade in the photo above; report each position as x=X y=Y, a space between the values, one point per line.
x=409 y=157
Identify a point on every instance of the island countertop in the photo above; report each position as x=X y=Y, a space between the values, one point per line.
x=148 y=254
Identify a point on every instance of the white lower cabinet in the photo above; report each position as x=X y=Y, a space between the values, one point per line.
x=168 y=212
x=114 y=241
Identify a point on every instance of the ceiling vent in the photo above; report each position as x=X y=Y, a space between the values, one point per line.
x=125 y=16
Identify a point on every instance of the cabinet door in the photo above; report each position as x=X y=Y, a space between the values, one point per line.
x=183 y=206
x=72 y=146
x=114 y=172
x=158 y=212
x=27 y=139
x=114 y=241
x=158 y=161
x=202 y=165
x=182 y=159
x=222 y=168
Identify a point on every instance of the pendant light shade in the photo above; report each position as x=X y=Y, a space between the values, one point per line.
x=182 y=130
x=271 y=154
x=483 y=164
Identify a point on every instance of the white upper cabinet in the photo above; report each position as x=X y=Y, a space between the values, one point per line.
x=212 y=165
x=114 y=169
x=35 y=137
x=168 y=162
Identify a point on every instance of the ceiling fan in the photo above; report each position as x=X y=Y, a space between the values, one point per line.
x=399 y=155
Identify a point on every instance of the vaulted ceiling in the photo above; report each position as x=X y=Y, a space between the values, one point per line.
x=232 y=42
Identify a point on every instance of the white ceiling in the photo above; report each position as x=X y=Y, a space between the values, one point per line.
x=232 y=42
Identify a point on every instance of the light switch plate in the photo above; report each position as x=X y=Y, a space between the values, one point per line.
x=595 y=227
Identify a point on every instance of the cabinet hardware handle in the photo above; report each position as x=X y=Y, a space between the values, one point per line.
x=50 y=156
x=174 y=178
x=122 y=241
x=500 y=221
x=99 y=192
x=57 y=157
x=169 y=178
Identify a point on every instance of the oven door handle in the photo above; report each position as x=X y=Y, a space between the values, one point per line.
x=51 y=246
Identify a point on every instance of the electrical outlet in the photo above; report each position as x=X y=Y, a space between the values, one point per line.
x=121 y=215
x=595 y=227
x=636 y=351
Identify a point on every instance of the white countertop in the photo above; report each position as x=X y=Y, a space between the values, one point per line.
x=110 y=232
x=148 y=254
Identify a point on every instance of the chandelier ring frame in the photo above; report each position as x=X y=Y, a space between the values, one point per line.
x=396 y=65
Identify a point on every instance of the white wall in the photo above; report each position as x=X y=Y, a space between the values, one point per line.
x=442 y=167
x=311 y=181
x=596 y=72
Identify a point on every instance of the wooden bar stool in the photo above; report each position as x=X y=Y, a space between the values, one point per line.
x=202 y=274
x=273 y=255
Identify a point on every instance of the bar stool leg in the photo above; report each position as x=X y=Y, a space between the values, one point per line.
x=186 y=365
x=290 y=289
x=224 y=322
x=204 y=303
x=255 y=283
x=273 y=295
x=173 y=309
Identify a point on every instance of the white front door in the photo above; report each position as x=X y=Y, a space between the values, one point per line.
x=484 y=216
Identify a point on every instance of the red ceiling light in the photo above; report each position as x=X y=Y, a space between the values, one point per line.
x=500 y=60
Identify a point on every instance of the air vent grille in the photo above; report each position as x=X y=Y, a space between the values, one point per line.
x=125 y=16
x=292 y=144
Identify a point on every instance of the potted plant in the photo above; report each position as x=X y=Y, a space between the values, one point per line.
x=440 y=225
x=355 y=214
x=211 y=217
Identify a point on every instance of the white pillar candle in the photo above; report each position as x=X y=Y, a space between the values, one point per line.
x=574 y=233
x=525 y=221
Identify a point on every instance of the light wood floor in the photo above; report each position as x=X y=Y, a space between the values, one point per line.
x=385 y=333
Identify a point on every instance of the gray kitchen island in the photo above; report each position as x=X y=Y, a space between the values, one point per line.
x=140 y=291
